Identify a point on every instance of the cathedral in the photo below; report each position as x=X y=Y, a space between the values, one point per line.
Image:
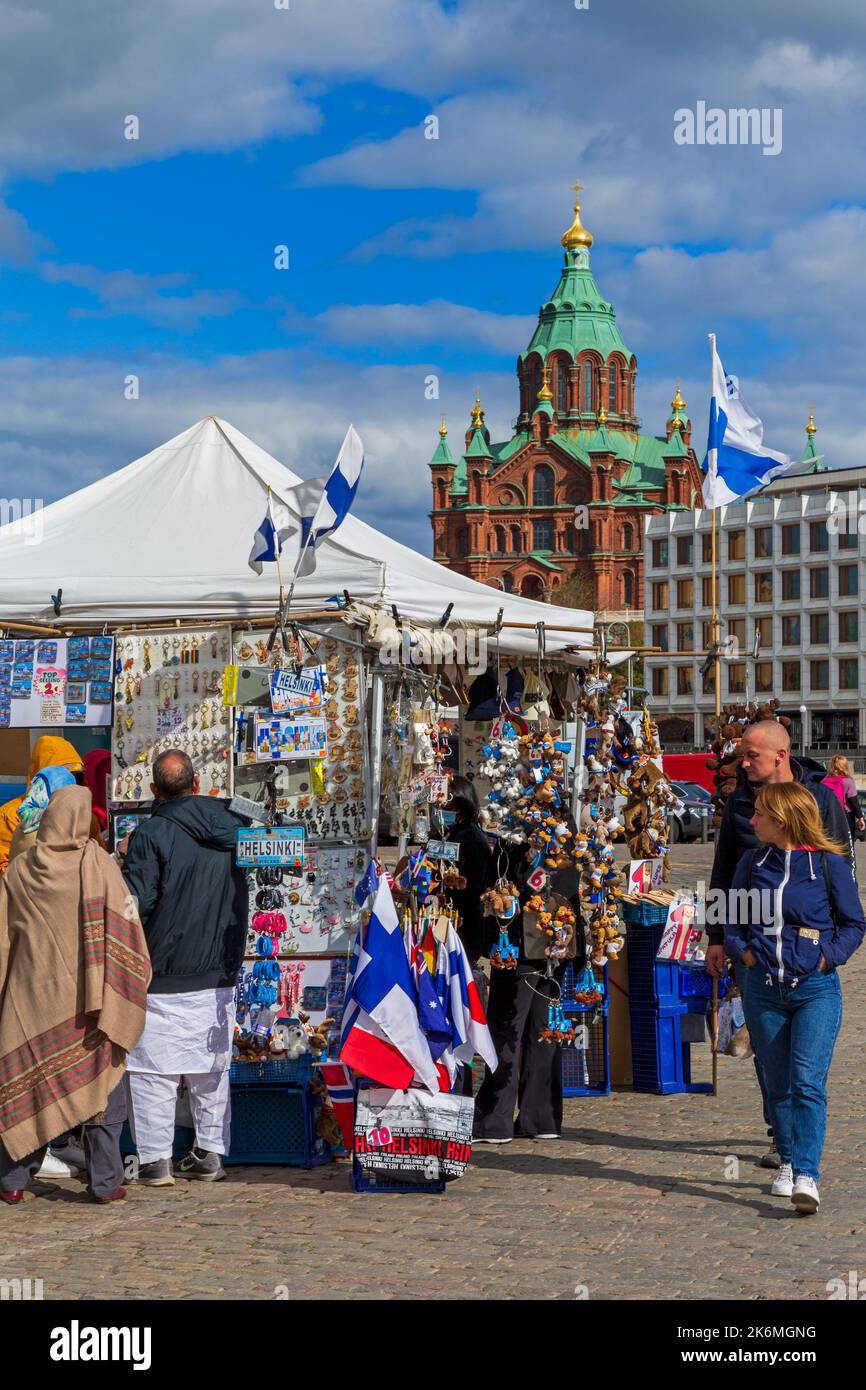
x=563 y=501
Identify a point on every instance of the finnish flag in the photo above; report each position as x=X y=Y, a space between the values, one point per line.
x=269 y=538
x=323 y=503
x=738 y=461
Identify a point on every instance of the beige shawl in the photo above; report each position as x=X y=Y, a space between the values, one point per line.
x=74 y=971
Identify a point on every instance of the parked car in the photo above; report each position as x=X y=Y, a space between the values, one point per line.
x=697 y=810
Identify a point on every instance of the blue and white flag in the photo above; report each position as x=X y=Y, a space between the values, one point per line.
x=381 y=1035
x=738 y=462
x=459 y=997
x=368 y=885
x=269 y=538
x=324 y=503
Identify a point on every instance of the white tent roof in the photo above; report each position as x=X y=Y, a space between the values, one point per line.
x=168 y=537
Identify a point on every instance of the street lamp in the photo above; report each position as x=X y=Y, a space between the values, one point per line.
x=803 y=729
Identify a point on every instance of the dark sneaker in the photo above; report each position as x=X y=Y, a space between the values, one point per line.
x=771 y=1158
x=207 y=1167
x=156 y=1174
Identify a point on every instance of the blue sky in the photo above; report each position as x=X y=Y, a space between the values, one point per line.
x=410 y=256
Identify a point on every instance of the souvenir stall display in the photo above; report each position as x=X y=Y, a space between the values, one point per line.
x=312 y=910
x=732 y=726
x=417 y=745
x=168 y=694
x=56 y=681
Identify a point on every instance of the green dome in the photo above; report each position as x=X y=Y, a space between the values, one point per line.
x=577 y=318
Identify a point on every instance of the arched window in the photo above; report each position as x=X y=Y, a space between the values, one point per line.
x=534 y=382
x=500 y=539
x=532 y=586
x=561 y=387
x=516 y=541
x=542 y=534
x=628 y=589
x=462 y=541
x=611 y=387
x=587 y=386
x=627 y=536
x=542 y=486
x=507 y=583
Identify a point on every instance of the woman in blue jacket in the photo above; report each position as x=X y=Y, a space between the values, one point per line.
x=808 y=922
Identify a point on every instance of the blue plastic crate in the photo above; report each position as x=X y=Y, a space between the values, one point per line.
x=659 y=1059
x=272 y=1070
x=381 y=1182
x=696 y=982
x=586 y=1071
x=274 y=1124
x=644 y=914
x=650 y=981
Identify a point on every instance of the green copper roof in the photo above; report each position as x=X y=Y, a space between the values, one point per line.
x=577 y=317
x=600 y=442
x=810 y=452
x=442 y=453
x=478 y=447
x=676 y=445
x=503 y=452
x=538 y=556
x=573 y=447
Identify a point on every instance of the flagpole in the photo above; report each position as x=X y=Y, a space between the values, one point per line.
x=277 y=549
x=714 y=624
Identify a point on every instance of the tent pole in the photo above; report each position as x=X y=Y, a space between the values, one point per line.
x=377 y=729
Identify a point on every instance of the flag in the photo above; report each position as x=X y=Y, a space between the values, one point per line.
x=341 y=1090
x=458 y=994
x=324 y=503
x=269 y=538
x=381 y=1036
x=738 y=462
x=431 y=1015
x=368 y=885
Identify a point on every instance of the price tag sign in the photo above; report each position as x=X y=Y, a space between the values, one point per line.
x=282 y=847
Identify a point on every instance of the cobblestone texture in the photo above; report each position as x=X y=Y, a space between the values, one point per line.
x=635 y=1201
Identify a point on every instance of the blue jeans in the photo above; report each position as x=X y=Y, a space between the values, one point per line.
x=793 y=1031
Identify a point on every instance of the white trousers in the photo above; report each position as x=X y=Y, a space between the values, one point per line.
x=153 y=1098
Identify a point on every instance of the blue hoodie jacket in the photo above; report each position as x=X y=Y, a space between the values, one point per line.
x=802 y=921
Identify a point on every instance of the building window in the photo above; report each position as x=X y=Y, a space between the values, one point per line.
x=685 y=549
x=819 y=629
x=791 y=631
x=791 y=538
x=764 y=587
x=659 y=636
x=508 y=583
x=737 y=678
x=685 y=593
x=542 y=486
x=847 y=581
x=737 y=630
x=660 y=680
x=847 y=540
x=736 y=545
x=660 y=554
x=685 y=680
x=790 y=584
x=462 y=542
x=790 y=675
x=706 y=634
x=561 y=387
x=763 y=542
x=819 y=541
x=685 y=637
x=628 y=537
x=707 y=593
x=819 y=675
x=587 y=386
x=708 y=681
x=819 y=583
x=764 y=631
x=516 y=539
x=542 y=534
x=660 y=596
x=849 y=675
x=707 y=549
x=611 y=387
x=736 y=588
x=500 y=540
x=764 y=677
x=628 y=589
x=849 y=627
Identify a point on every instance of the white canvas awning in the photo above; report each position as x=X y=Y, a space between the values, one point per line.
x=168 y=537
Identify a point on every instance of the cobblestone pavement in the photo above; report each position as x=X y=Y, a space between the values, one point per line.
x=637 y=1200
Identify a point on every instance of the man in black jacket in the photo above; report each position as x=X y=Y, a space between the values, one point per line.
x=765 y=756
x=192 y=901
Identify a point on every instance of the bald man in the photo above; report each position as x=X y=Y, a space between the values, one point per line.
x=765 y=756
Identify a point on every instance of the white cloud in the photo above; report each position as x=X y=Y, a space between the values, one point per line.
x=145 y=296
x=410 y=325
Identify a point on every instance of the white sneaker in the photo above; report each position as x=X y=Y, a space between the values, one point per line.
x=783 y=1182
x=54 y=1167
x=805 y=1195
x=480 y=1139
x=547 y=1136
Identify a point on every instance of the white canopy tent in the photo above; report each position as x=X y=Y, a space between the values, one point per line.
x=168 y=537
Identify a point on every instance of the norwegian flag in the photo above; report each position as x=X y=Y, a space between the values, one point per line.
x=341 y=1090
x=458 y=994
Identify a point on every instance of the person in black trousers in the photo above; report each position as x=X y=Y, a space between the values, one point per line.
x=476 y=866
x=529 y=1075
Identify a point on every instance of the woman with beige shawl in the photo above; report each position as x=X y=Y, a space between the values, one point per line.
x=74 y=971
